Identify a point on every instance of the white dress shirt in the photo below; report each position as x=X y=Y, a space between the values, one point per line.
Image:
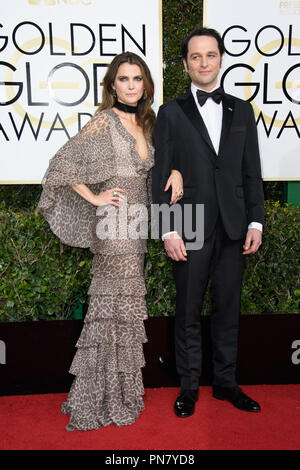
x=212 y=114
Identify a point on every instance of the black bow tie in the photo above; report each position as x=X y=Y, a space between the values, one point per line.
x=217 y=95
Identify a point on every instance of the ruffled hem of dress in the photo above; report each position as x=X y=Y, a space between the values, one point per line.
x=111 y=332
x=98 y=408
x=77 y=423
x=122 y=309
x=134 y=286
x=116 y=358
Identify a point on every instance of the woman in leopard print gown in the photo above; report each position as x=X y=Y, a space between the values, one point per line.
x=110 y=158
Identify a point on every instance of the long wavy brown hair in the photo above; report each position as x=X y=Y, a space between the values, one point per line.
x=145 y=115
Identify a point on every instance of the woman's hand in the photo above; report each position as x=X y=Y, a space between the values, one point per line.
x=112 y=196
x=175 y=180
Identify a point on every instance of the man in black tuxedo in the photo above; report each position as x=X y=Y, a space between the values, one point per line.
x=211 y=138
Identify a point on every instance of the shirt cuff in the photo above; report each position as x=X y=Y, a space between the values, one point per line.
x=256 y=225
x=165 y=234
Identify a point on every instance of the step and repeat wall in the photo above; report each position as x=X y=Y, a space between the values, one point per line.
x=54 y=53
x=53 y=56
x=262 y=65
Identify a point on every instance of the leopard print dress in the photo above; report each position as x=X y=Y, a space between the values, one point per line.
x=108 y=386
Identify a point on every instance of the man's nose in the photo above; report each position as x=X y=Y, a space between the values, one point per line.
x=204 y=62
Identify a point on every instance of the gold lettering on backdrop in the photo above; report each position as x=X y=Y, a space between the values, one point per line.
x=290 y=4
x=67 y=83
x=59 y=2
x=292 y=84
x=51 y=85
x=291 y=7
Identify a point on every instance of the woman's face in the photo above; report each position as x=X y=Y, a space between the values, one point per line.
x=129 y=84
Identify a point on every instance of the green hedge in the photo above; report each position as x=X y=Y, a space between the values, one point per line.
x=42 y=279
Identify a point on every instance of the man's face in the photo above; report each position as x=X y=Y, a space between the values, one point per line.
x=203 y=61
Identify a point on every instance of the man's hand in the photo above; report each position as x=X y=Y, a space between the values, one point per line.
x=252 y=242
x=175 y=247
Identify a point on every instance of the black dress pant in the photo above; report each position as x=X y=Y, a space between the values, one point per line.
x=220 y=260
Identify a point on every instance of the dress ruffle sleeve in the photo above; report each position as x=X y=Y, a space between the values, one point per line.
x=86 y=158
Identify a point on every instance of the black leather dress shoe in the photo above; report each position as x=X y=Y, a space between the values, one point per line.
x=238 y=398
x=185 y=403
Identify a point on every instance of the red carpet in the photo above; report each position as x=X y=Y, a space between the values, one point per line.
x=34 y=422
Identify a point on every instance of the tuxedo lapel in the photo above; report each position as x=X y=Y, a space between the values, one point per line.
x=188 y=105
x=228 y=110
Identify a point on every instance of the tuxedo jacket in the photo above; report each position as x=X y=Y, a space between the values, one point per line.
x=229 y=183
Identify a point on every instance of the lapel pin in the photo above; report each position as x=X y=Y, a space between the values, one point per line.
x=230 y=109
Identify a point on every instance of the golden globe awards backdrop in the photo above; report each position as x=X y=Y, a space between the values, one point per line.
x=53 y=56
x=262 y=65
